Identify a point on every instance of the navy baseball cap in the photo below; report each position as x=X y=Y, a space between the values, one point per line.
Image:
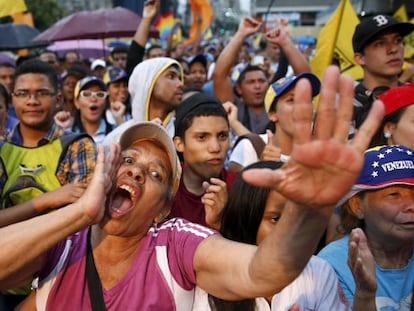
x=372 y=26
x=199 y=58
x=114 y=74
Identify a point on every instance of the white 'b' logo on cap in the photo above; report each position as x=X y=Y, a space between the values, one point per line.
x=381 y=20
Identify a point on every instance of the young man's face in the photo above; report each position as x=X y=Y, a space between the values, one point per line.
x=6 y=77
x=253 y=88
x=119 y=59
x=198 y=75
x=156 y=52
x=384 y=56
x=68 y=88
x=205 y=145
x=168 y=89
x=70 y=58
x=51 y=59
x=35 y=110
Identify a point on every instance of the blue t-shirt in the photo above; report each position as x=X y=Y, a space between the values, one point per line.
x=394 y=286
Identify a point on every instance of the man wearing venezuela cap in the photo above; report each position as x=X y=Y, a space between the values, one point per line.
x=377 y=216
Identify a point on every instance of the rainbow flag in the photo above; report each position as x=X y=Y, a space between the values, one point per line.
x=164 y=24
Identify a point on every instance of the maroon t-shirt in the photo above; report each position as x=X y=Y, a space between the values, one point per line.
x=188 y=206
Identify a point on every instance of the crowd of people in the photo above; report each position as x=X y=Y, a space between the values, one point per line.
x=207 y=178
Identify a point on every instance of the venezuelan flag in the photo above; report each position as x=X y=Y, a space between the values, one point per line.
x=164 y=24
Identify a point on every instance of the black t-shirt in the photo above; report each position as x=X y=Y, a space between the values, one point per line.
x=363 y=100
x=362 y=104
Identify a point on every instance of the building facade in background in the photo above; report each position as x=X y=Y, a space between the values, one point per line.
x=300 y=13
x=81 y=5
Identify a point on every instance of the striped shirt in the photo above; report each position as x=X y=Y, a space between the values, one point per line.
x=160 y=277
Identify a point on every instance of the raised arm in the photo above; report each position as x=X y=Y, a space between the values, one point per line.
x=223 y=88
x=24 y=244
x=66 y=194
x=137 y=47
x=280 y=36
x=235 y=124
x=322 y=167
x=151 y=8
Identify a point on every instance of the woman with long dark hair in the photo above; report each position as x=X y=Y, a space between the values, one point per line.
x=250 y=214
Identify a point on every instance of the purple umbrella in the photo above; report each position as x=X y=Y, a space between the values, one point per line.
x=5 y=58
x=98 y=24
x=88 y=48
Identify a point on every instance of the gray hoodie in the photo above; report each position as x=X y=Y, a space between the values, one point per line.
x=140 y=86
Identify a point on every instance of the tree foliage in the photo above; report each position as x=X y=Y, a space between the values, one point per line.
x=45 y=12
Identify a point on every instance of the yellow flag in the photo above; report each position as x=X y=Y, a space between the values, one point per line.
x=208 y=34
x=401 y=14
x=335 y=42
x=257 y=40
x=178 y=35
x=9 y=7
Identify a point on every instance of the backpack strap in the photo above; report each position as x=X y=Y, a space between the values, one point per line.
x=68 y=139
x=255 y=139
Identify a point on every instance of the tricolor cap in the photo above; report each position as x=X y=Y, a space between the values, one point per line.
x=384 y=166
x=114 y=74
x=281 y=86
x=87 y=81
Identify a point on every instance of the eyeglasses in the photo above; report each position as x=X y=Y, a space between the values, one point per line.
x=38 y=94
x=99 y=94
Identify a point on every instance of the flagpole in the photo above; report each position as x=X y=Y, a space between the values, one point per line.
x=342 y=7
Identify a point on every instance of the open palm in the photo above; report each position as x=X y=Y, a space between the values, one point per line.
x=94 y=198
x=323 y=164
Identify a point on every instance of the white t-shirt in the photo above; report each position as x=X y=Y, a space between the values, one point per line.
x=316 y=288
x=244 y=153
